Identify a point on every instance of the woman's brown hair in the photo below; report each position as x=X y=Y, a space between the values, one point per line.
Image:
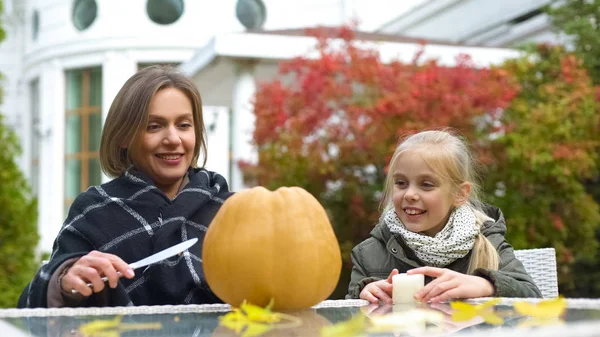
x=128 y=116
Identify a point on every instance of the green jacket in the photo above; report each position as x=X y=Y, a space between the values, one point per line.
x=374 y=259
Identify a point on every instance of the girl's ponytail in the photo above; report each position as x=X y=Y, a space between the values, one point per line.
x=484 y=254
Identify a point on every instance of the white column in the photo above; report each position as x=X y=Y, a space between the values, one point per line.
x=243 y=122
x=216 y=122
x=117 y=68
x=52 y=153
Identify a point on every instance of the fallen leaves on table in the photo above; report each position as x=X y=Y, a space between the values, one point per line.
x=534 y=322
x=355 y=326
x=113 y=327
x=544 y=313
x=250 y=320
x=465 y=311
x=550 y=308
x=413 y=320
x=410 y=321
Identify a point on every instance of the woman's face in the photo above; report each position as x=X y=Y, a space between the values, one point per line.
x=164 y=150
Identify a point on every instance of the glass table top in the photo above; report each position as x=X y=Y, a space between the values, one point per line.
x=581 y=318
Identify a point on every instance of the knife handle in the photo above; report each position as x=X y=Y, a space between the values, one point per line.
x=73 y=291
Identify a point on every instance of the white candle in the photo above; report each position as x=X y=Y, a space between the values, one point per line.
x=404 y=287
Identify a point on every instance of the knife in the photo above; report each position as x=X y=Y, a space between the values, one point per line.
x=163 y=254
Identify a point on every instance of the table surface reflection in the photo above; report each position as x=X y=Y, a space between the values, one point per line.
x=582 y=318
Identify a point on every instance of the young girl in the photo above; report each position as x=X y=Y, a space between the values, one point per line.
x=434 y=224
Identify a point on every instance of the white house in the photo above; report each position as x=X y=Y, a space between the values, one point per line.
x=64 y=60
x=505 y=23
x=227 y=69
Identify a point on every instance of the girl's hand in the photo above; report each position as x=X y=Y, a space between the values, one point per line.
x=379 y=290
x=449 y=284
x=90 y=269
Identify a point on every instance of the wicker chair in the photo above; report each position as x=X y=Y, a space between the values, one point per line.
x=541 y=265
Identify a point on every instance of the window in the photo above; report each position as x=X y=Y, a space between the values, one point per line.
x=83 y=129
x=164 y=12
x=527 y=16
x=84 y=13
x=35 y=25
x=251 y=13
x=34 y=104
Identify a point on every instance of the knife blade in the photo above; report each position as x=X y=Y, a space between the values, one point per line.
x=156 y=257
x=163 y=254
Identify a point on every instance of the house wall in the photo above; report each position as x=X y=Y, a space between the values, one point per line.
x=504 y=23
x=120 y=39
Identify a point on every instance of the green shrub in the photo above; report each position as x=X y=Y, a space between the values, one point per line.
x=18 y=229
x=18 y=215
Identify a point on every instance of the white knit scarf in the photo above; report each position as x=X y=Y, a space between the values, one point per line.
x=453 y=242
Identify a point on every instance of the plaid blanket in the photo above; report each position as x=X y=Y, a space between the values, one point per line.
x=131 y=218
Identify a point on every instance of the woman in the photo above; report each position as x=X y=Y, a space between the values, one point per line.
x=152 y=139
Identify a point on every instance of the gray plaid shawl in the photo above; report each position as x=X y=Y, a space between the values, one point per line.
x=130 y=217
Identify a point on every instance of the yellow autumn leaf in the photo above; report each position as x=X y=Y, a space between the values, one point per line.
x=234 y=323
x=139 y=326
x=462 y=316
x=110 y=333
x=465 y=311
x=355 y=326
x=464 y=306
x=492 y=318
x=544 y=309
x=235 y=315
x=488 y=304
x=114 y=327
x=250 y=320
x=256 y=329
x=258 y=314
x=95 y=327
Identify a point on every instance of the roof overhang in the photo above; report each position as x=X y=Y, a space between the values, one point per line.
x=214 y=66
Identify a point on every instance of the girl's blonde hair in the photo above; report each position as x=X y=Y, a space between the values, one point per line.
x=128 y=116
x=448 y=155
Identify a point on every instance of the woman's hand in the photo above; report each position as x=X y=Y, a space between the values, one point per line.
x=90 y=269
x=449 y=284
x=379 y=290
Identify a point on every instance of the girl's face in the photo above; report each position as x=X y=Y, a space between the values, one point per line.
x=164 y=151
x=422 y=199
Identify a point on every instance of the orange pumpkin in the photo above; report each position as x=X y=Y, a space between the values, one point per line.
x=279 y=245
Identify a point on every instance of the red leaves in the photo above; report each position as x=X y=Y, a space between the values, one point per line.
x=349 y=98
x=557 y=221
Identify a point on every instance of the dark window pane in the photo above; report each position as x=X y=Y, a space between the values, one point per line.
x=74 y=80
x=84 y=13
x=95 y=132
x=72 y=178
x=94 y=173
x=73 y=134
x=35 y=25
x=164 y=12
x=96 y=87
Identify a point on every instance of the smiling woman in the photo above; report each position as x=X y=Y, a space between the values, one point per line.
x=152 y=140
